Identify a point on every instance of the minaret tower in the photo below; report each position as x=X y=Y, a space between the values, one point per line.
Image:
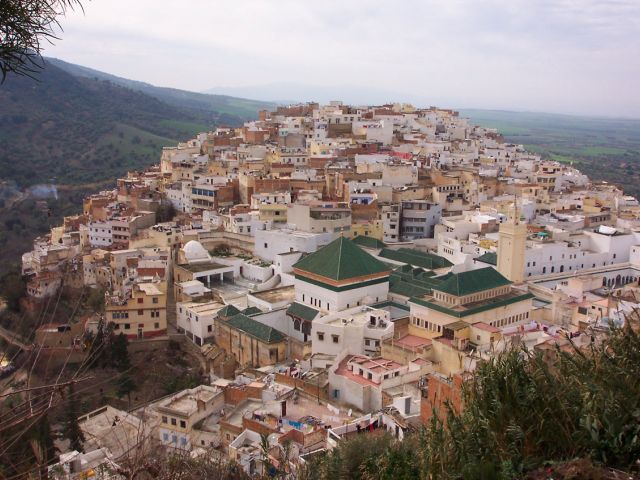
x=511 y=246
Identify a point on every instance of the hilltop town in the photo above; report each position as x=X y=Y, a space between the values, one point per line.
x=334 y=270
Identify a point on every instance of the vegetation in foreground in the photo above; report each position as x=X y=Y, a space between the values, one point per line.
x=524 y=415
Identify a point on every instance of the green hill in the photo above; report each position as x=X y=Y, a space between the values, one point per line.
x=227 y=109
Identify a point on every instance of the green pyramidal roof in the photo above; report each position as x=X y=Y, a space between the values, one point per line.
x=228 y=311
x=302 y=311
x=341 y=260
x=256 y=329
x=473 y=281
x=488 y=257
x=368 y=242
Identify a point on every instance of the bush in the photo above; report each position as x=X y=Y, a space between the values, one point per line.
x=521 y=412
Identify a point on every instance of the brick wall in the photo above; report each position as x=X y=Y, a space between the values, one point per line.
x=441 y=391
x=257 y=427
x=309 y=388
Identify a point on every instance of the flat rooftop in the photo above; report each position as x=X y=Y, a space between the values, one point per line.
x=186 y=402
x=377 y=365
x=276 y=294
x=412 y=342
x=203 y=267
x=150 y=288
x=203 y=308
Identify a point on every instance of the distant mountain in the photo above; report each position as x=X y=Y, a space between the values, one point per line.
x=225 y=108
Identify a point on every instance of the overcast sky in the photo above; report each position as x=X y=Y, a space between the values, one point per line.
x=567 y=56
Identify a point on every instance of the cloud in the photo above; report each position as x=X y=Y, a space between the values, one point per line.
x=574 y=56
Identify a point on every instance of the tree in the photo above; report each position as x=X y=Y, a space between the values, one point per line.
x=126 y=385
x=120 y=352
x=166 y=211
x=72 y=428
x=95 y=300
x=24 y=26
x=97 y=345
x=12 y=288
x=42 y=444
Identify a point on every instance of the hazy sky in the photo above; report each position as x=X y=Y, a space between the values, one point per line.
x=568 y=56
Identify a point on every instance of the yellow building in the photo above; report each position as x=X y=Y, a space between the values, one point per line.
x=512 y=242
x=143 y=314
x=274 y=212
x=372 y=228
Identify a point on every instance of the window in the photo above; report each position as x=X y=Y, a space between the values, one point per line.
x=140 y=300
x=164 y=419
x=173 y=421
x=140 y=312
x=155 y=300
x=266 y=245
x=127 y=326
x=183 y=424
x=321 y=336
x=165 y=437
x=156 y=325
x=209 y=328
x=335 y=338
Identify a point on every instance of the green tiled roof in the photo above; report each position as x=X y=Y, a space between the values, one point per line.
x=341 y=260
x=228 y=311
x=368 y=242
x=473 y=281
x=407 y=289
x=251 y=311
x=302 y=311
x=489 y=305
x=256 y=329
x=489 y=257
x=416 y=258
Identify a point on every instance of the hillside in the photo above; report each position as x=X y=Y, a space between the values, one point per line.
x=604 y=148
x=228 y=109
x=78 y=130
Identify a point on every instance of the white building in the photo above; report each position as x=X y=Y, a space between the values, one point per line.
x=197 y=320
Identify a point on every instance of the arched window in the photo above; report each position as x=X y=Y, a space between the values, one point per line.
x=296 y=324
